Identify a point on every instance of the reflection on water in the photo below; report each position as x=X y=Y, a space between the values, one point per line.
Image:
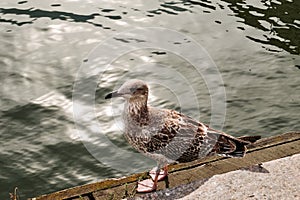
x=279 y=20
x=255 y=44
x=34 y=14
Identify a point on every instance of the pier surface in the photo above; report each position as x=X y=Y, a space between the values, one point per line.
x=270 y=168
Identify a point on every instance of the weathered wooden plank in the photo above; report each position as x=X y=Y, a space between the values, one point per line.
x=264 y=150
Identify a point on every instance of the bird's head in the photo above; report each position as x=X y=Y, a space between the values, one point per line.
x=131 y=90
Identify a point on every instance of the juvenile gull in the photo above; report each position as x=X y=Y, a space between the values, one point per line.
x=168 y=136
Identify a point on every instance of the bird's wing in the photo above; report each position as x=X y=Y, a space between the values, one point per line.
x=179 y=137
x=184 y=139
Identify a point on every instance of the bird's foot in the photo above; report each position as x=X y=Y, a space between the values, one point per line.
x=147 y=185
x=160 y=175
x=150 y=185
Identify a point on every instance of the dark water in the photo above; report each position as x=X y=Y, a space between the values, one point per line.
x=254 y=44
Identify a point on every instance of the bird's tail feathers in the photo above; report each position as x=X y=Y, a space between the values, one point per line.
x=250 y=139
x=229 y=146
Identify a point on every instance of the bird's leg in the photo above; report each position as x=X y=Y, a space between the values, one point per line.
x=160 y=173
x=149 y=185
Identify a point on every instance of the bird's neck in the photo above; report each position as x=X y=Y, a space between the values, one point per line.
x=137 y=111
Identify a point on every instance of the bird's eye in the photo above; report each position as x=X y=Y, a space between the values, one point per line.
x=136 y=89
x=132 y=89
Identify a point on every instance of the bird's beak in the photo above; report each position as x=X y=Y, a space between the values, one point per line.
x=112 y=95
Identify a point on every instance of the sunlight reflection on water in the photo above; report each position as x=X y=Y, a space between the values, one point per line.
x=255 y=45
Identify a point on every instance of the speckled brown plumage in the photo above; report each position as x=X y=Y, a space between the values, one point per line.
x=168 y=136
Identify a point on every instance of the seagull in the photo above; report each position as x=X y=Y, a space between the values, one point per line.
x=168 y=136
